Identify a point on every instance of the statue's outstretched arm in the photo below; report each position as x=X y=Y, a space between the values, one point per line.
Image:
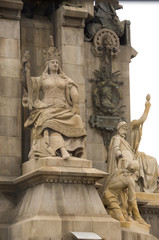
x=75 y=99
x=136 y=126
x=141 y=120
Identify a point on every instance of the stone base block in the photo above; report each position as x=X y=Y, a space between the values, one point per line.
x=149 y=208
x=32 y=165
x=57 y=200
x=3 y=231
x=135 y=227
x=150 y=198
x=59 y=227
x=132 y=235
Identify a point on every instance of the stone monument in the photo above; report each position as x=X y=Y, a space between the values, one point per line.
x=62 y=98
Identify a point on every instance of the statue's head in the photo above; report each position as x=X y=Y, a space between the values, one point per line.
x=52 y=57
x=54 y=65
x=122 y=129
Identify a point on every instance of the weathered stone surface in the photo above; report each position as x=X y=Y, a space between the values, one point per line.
x=87 y=4
x=73 y=54
x=9 y=48
x=3 y=231
x=98 y=153
x=10 y=87
x=11 y=9
x=61 y=205
x=10 y=165
x=73 y=36
x=8 y=126
x=14 y=4
x=6 y=110
x=150 y=214
x=56 y=225
x=9 y=29
x=72 y=16
x=136 y=227
x=134 y=235
x=9 y=67
x=36 y=35
x=12 y=146
x=151 y=198
x=75 y=72
x=31 y=165
x=82 y=111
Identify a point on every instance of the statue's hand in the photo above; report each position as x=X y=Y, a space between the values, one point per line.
x=75 y=109
x=119 y=155
x=25 y=64
x=25 y=68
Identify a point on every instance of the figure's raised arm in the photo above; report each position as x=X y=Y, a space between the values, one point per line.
x=141 y=120
x=136 y=126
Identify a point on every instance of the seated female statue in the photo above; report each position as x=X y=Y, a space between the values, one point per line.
x=57 y=128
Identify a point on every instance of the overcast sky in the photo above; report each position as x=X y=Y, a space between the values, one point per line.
x=144 y=68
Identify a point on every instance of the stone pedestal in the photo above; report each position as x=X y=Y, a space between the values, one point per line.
x=149 y=208
x=134 y=235
x=135 y=227
x=56 y=199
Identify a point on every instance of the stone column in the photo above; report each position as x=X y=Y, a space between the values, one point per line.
x=69 y=39
x=10 y=88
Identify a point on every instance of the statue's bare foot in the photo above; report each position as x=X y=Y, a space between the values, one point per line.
x=64 y=153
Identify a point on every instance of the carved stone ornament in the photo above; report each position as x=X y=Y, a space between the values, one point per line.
x=105 y=17
x=106 y=94
x=108 y=38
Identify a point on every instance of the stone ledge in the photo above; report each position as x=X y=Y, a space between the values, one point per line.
x=135 y=227
x=71 y=16
x=32 y=165
x=152 y=199
x=47 y=174
x=6 y=184
x=11 y=4
x=11 y=9
x=53 y=174
x=74 y=12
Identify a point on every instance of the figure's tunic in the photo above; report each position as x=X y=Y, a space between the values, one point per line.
x=148 y=171
x=118 y=144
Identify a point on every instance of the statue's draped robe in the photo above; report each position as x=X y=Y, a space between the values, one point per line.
x=118 y=144
x=148 y=173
